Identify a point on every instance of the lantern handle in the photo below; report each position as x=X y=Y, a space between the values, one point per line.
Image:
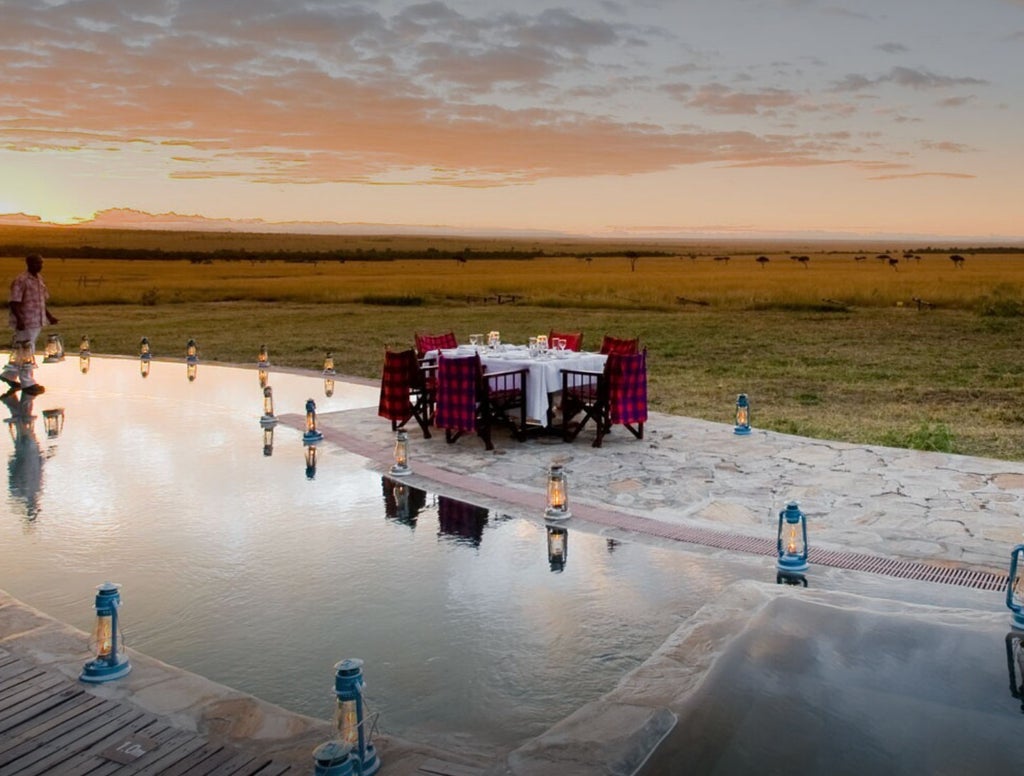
x=1015 y=555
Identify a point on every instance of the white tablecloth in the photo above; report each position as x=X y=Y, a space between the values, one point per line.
x=545 y=371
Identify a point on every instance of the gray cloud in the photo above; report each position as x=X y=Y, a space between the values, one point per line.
x=892 y=48
x=908 y=77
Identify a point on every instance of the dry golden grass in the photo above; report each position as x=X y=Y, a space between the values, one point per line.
x=831 y=348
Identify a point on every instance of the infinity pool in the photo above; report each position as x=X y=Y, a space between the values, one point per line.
x=237 y=566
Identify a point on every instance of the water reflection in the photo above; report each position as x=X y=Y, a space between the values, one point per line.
x=1015 y=665
x=402 y=502
x=558 y=548
x=461 y=521
x=25 y=466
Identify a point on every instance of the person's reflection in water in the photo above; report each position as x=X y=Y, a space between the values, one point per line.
x=25 y=467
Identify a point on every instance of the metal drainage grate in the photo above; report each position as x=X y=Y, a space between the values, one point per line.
x=852 y=561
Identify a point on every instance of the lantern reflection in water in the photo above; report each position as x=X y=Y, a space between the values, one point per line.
x=53 y=422
x=558 y=547
x=402 y=502
x=1015 y=664
x=268 y=418
x=310 y=455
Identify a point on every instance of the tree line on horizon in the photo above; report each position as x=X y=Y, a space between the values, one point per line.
x=305 y=256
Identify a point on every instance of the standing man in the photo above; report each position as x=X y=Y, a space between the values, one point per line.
x=27 y=303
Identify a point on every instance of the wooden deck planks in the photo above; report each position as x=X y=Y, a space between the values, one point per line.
x=52 y=726
x=40 y=731
x=58 y=750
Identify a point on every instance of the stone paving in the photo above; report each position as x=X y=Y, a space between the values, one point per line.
x=901 y=504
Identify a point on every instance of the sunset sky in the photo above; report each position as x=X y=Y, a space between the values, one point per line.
x=602 y=117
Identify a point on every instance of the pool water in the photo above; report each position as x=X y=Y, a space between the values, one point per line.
x=237 y=566
x=854 y=689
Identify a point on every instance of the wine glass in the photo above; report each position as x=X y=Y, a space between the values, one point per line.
x=474 y=340
x=560 y=343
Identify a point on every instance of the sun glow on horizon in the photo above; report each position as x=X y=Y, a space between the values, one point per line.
x=580 y=120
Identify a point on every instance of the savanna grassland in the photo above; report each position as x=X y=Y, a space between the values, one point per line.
x=885 y=344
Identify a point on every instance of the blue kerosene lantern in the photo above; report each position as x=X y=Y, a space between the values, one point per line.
x=350 y=715
x=110 y=662
x=401 y=467
x=311 y=435
x=742 y=426
x=792 y=540
x=334 y=759
x=1015 y=588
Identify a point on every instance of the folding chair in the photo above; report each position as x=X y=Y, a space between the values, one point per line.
x=405 y=391
x=617 y=395
x=468 y=399
x=573 y=339
x=619 y=345
x=427 y=342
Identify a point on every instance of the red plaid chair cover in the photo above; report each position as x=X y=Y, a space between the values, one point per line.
x=428 y=342
x=616 y=395
x=627 y=389
x=618 y=345
x=403 y=391
x=573 y=339
x=458 y=398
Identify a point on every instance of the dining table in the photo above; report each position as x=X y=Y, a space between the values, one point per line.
x=545 y=370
